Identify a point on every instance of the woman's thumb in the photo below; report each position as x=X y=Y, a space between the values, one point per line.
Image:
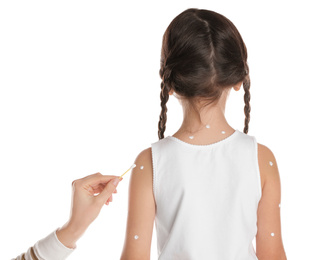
x=109 y=189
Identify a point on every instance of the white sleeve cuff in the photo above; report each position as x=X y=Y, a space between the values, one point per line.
x=50 y=248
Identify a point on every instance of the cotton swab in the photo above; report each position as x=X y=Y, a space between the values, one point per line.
x=133 y=166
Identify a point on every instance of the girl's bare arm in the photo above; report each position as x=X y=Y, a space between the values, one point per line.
x=269 y=245
x=141 y=210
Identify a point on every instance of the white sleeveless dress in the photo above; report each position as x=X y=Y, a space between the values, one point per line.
x=206 y=198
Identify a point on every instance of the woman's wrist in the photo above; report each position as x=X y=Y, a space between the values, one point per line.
x=69 y=234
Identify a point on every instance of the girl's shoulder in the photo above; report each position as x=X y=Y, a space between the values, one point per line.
x=267 y=164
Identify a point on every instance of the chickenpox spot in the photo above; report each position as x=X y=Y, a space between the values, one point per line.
x=207 y=126
x=223 y=132
x=142 y=167
x=279 y=205
x=272 y=234
x=271 y=163
x=136 y=237
x=191 y=137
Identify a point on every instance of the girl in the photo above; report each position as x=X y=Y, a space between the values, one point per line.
x=209 y=187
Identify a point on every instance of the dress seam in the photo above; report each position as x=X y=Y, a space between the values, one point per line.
x=154 y=173
x=257 y=167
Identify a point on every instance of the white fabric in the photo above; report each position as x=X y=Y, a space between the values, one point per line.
x=207 y=198
x=48 y=248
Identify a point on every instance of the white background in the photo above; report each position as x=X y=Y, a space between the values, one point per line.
x=80 y=94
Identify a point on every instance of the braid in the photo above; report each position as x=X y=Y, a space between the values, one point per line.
x=247 y=107
x=164 y=96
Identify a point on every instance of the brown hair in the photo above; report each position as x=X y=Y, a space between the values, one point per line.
x=202 y=54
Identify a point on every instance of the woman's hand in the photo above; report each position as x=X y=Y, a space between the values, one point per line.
x=89 y=194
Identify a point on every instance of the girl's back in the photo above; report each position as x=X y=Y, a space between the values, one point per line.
x=208 y=209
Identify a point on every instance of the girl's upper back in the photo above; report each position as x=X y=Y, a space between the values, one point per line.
x=208 y=209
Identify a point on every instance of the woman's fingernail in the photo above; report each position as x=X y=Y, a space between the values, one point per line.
x=116 y=181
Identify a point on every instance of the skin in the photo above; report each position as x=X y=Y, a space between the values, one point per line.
x=89 y=194
x=141 y=205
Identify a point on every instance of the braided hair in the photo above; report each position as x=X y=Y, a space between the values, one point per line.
x=247 y=107
x=164 y=96
x=202 y=54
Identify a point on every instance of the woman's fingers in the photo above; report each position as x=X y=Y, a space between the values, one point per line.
x=100 y=188
x=98 y=178
x=98 y=185
x=95 y=180
x=110 y=199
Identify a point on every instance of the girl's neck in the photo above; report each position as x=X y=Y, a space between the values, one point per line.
x=210 y=126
